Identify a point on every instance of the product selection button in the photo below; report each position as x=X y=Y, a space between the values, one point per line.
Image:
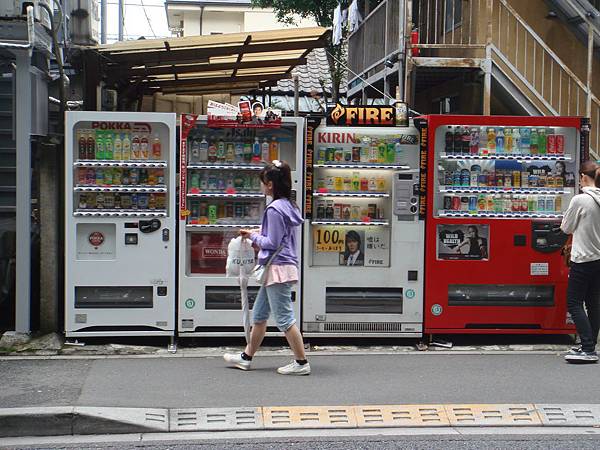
x=131 y=238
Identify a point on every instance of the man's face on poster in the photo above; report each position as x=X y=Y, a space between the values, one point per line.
x=352 y=246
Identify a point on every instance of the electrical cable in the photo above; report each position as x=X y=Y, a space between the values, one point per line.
x=147 y=18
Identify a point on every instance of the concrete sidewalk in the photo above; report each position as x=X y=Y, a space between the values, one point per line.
x=122 y=394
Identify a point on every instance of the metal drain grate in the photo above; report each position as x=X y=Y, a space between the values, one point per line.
x=569 y=415
x=370 y=327
x=216 y=419
x=309 y=417
x=401 y=416
x=493 y=415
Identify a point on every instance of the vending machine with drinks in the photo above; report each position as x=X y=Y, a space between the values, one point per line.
x=364 y=240
x=120 y=224
x=220 y=193
x=497 y=189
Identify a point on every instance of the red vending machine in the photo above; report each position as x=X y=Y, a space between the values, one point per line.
x=496 y=188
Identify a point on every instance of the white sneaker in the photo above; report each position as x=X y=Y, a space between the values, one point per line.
x=294 y=368
x=582 y=357
x=236 y=360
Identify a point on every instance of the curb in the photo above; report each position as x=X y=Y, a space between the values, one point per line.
x=81 y=420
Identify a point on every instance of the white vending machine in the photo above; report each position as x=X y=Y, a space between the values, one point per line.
x=364 y=238
x=120 y=224
x=220 y=193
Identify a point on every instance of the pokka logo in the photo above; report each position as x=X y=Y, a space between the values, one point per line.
x=136 y=127
x=365 y=116
x=96 y=238
x=214 y=252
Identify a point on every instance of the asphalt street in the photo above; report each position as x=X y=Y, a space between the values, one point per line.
x=336 y=380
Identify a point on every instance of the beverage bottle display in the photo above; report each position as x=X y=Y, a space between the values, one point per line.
x=220 y=150
x=542 y=141
x=156 y=147
x=256 y=150
x=203 y=150
x=81 y=145
x=90 y=176
x=516 y=141
x=265 y=149
x=449 y=147
x=274 y=149
x=525 y=140
x=500 y=141
x=152 y=177
x=508 y=140
x=466 y=141
x=126 y=147
x=390 y=153
x=195 y=181
x=533 y=142
x=118 y=147
x=230 y=152
x=239 y=152
x=381 y=152
x=247 y=151
x=474 y=141
x=457 y=140
x=397 y=151
x=491 y=141
x=143 y=177
x=117 y=176
x=134 y=177
x=144 y=147
x=355 y=181
x=99 y=145
x=91 y=145
x=550 y=142
x=212 y=153
x=108 y=146
x=195 y=151
x=152 y=202
x=135 y=147
x=203 y=182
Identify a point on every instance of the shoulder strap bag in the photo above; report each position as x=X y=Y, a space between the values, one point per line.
x=260 y=271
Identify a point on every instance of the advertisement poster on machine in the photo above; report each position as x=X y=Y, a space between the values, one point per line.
x=463 y=242
x=345 y=246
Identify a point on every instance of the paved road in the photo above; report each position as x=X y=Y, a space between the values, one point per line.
x=336 y=380
x=381 y=442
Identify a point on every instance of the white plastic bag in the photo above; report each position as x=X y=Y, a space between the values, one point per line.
x=240 y=258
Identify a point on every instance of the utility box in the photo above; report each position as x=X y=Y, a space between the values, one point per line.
x=84 y=23
x=18 y=9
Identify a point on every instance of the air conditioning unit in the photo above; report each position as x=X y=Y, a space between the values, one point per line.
x=84 y=24
x=18 y=9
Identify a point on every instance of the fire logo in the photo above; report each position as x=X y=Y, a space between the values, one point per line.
x=337 y=113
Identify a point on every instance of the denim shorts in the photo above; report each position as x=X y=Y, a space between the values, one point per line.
x=277 y=298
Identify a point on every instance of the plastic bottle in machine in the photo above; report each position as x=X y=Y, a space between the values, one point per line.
x=100 y=145
x=525 y=141
x=118 y=147
x=220 y=150
x=212 y=152
x=274 y=149
x=397 y=151
x=500 y=141
x=91 y=146
x=533 y=142
x=449 y=138
x=474 y=142
x=126 y=147
x=230 y=152
x=458 y=140
x=203 y=150
x=466 y=141
x=81 y=145
x=239 y=152
x=144 y=147
x=265 y=149
x=135 y=147
x=108 y=145
x=508 y=140
x=516 y=141
x=156 y=147
x=491 y=141
x=256 y=151
x=542 y=140
x=194 y=151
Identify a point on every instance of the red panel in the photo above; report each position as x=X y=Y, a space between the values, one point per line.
x=507 y=263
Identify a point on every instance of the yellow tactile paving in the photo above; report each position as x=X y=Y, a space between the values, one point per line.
x=309 y=417
x=493 y=415
x=401 y=416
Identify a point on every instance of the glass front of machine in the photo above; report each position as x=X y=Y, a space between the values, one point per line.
x=220 y=193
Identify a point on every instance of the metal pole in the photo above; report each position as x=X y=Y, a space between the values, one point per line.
x=590 y=55
x=121 y=18
x=103 y=24
x=296 y=95
x=487 y=77
x=23 y=140
x=402 y=27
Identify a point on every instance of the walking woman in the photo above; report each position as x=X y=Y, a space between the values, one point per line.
x=277 y=234
x=582 y=220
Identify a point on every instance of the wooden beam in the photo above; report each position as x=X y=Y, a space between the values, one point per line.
x=240 y=56
x=213 y=80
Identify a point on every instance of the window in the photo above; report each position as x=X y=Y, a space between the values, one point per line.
x=452 y=15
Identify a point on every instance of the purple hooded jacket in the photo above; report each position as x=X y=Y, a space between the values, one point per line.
x=279 y=223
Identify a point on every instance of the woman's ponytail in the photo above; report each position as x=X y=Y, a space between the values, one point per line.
x=597 y=178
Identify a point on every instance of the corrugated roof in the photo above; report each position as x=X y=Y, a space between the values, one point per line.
x=207 y=64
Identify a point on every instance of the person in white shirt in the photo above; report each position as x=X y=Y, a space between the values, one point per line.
x=582 y=220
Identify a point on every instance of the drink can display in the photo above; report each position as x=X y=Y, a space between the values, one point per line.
x=481 y=203
x=99 y=176
x=472 y=203
x=238 y=210
x=161 y=201
x=330 y=155
x=320 y=210
x=560 y=144
x=515 y=204
x=456 y=203
x=109 y=200
x=321 y=155
x=337 y=211
x=551 y=144
x=82 y=200
x=541 y=203
x=99 y=145
x=447 y=202
x=348 y=155
x=464 y=203
x=338 y=183
x=364 y=184
x=143 y=201
x=90 y=176
x=339 y=154
x=372 y=210
x=380 y=183
x=82 y=175
x=364 y=154
x=117 y=176
x=126 y=201
x=347 y=184
x=355 y=154
x=524 y=179
x=134 y=176
x=81 y=144
x=355 y=213
x=558 y=204
x=516 y=178
x=550 y=204
x=212 y=213
x=134 y=201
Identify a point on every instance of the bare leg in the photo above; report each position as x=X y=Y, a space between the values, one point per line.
x=257 y=334
x=296 y=342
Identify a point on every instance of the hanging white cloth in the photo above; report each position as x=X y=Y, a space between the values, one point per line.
x=337 y=25
x=354 y=17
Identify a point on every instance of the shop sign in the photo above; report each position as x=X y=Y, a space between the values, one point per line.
x=366 y=116
x=463 y=242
